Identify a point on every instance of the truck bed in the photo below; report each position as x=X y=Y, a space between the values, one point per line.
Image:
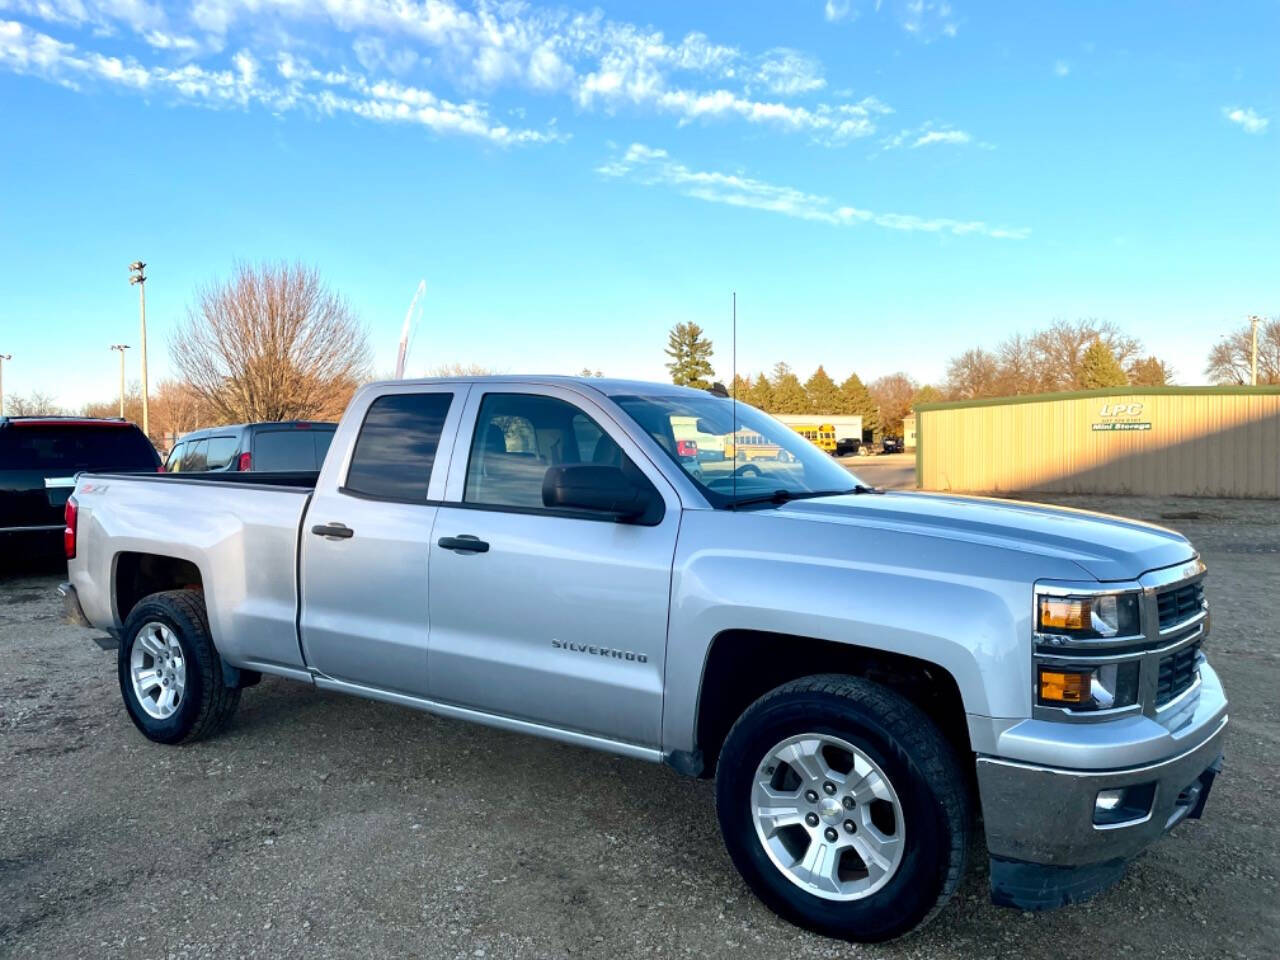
x=240 y=531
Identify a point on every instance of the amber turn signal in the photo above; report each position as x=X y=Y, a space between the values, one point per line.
x=1062 y=686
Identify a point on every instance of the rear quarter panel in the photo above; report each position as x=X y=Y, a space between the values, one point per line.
x=242 y=538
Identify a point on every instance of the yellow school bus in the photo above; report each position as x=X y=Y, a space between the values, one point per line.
x=822 y=436
x=749 y=445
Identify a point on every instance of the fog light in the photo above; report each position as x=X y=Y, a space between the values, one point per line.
x=1120 y=805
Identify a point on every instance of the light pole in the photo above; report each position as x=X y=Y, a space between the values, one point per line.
x=122 y=347
x=3 y=358
x=1253 y=359
x=136 y=276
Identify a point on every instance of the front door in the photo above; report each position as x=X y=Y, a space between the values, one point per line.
x=365 y=541
x=537 y=614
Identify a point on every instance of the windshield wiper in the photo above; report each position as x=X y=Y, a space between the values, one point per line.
x=785 y=496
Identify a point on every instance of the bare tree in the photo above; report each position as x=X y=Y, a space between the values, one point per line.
x=973 y=374
x=456 y=369
x=1229 y=360
x=1021 y=369
x=272 y=343
x=1061 y=348
x=893 y=394
x=35 y=404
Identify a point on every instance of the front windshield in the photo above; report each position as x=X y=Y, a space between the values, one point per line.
x=760 y=459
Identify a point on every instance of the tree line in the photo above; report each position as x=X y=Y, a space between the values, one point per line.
x=1085 y=354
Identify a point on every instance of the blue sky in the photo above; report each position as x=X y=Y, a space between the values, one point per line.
x=883 y=183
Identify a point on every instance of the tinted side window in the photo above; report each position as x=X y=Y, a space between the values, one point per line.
x=396 y=448
x=290 y=449
x=71 y=447
x=174 y=464
x=221 y=452
x=196 y=457
x=518 y=436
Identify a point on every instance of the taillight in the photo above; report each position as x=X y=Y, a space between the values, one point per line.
x=245 y=460
x=69 y=531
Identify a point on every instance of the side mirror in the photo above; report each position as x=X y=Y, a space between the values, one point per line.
x=599 y=488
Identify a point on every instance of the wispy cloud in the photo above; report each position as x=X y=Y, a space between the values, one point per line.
x=788 y=72
x=295 y=84
x=581 y=59
x=928 y=135
x=923 y=19
x=1246 y=119
x=651 y=166
x=1061 y=68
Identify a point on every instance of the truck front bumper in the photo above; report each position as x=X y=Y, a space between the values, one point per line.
x=1047 y=848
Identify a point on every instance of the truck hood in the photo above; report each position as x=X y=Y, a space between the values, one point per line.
x=1105 y=547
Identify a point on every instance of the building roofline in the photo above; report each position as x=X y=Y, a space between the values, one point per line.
x=1229 y=390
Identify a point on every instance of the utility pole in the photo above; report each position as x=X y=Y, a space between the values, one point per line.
x=1253 y=360
x=3 y=358
x=136 y=276
x=122 y=347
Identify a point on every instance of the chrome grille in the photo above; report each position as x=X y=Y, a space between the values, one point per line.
x=1180 y=603
x=1178 y=672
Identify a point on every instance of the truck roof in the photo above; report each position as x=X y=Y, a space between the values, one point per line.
x=609 y=386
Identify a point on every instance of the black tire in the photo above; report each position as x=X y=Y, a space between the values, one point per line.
x=918 y=762
x=207 y=703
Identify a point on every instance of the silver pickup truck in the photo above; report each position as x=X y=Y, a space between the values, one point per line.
x=664 y=574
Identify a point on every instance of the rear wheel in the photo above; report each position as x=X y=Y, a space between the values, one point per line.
x=170 y=673
x=843 y=808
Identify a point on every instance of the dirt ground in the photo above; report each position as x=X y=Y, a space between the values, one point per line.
x=323 y=826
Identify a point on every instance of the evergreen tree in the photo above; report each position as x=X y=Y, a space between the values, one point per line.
x=1149 y=372
x=690 y=354
x=855 y=398
x=926 y=394
x=1099 y=368
x=759 y=393
x=741 y=388
x=788 y=391
x=822 y=393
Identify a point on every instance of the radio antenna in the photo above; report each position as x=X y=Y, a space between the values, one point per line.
x=734 y=468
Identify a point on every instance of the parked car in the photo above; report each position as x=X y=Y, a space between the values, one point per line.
x=860 y=671
x=289 y=445
x=891 y=445
x=40 y=456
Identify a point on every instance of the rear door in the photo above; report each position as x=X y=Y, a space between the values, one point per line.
x=562 y=619
x=364 y=541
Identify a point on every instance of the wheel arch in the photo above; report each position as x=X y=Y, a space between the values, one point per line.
x=140 y=574
x=742 y=665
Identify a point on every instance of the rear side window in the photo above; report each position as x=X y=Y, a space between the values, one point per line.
x=293 y=448
x=196 y=457
x=221 y=452
x=396 y=448
x=54 y=448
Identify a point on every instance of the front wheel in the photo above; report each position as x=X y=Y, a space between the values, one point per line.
x=843 y=808
x=170 y=673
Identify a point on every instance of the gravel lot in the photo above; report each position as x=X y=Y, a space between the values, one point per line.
x=323 y=826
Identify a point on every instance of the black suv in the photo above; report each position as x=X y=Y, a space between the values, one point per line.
x=40 y=456
x=289 y=445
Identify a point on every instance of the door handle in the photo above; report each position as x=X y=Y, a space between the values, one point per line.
x=465 y=543
x=333 y=531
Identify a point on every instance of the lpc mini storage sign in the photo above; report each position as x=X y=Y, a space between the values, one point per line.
x=1121 y=416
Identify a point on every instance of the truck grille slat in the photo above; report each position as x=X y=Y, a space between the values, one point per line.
x=1177 y=673
x=1180 y=603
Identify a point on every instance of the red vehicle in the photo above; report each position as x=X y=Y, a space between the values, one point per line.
x=687 y=448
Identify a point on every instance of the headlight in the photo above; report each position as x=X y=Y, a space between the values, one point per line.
x=1097 y=617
